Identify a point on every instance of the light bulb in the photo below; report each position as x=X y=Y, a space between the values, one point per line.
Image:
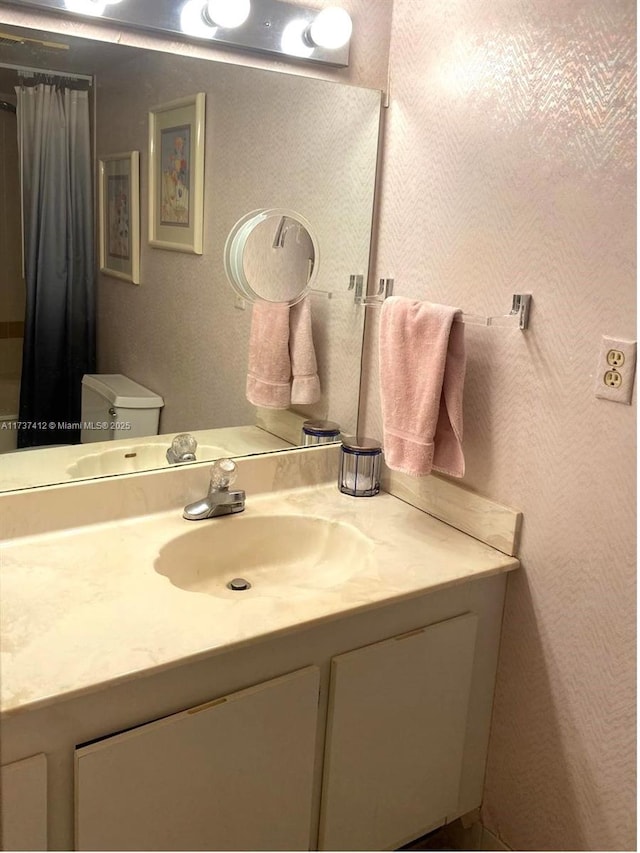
x=192 y=20
x=227 y=13
x=86 y=7
x=331 y=28
x=293 y=39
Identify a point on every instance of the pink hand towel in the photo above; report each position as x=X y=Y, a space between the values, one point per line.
x=305 y=384
x=281 y=343
x=422 y=367
x=269 y=369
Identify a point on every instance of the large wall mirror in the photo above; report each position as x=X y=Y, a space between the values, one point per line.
x=273 y=141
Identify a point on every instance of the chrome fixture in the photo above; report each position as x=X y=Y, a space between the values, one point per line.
x=517 y=318
x=183 y=449
x=356 y=291
x=219 y=500
x=268 y=26
x=238 y=585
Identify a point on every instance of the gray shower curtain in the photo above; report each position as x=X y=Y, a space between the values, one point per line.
x=59 y=336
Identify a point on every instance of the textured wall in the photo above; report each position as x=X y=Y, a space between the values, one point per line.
x=509 y=165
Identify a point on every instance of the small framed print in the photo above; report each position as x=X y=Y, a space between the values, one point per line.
x=176 y=174
x=119 y=207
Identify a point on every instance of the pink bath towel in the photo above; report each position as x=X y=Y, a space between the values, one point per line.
x=280 y=343
x=422 y=367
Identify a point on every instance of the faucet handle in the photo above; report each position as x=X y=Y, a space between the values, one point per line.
x=183 y=445
x=223 y=473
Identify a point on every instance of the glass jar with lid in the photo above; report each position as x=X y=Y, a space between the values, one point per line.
x=360 y=460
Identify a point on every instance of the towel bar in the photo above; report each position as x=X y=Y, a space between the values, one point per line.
x=356 y=288
x=517 y=317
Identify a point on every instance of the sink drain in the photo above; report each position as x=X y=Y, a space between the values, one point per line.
x=238 y=584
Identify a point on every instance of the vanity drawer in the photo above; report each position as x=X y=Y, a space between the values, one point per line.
x=395 y=736
x=235 y=773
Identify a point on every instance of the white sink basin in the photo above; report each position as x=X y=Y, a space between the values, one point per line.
x=133 y=457
x=273 y=553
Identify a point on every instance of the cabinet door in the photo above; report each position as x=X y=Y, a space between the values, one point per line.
x=233 y=774
x=396 y=730
x=23 y=804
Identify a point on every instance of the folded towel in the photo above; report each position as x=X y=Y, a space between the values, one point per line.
x=269 y=369
x=422 y=367
x=280 y=342
x=305 y=384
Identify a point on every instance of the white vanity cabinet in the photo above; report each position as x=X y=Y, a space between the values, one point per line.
x=358 y=733
x=395 y=736
x=23 y=804
x=235 y=773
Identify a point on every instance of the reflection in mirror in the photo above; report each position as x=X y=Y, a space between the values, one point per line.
x=272 y=141
x=271 y=255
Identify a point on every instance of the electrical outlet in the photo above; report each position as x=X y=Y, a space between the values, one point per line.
x=615 y=358
x=612 y=379
x=616 y=370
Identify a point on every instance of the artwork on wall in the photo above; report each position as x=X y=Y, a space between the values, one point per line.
x=176 y=174
x=119 y=191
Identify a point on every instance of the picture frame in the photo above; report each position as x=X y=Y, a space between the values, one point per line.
x=119 y=215
x=176 y=174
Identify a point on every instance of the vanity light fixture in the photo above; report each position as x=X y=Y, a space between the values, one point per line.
x=274 y=27
x=277 y=27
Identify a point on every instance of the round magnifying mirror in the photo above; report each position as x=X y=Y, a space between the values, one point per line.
x=271 y=255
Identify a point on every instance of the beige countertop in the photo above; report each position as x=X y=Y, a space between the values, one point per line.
x=84 y=607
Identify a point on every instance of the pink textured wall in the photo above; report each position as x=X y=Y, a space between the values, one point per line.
x=509 y=165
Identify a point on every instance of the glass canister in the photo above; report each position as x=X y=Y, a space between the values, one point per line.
x=320 y=432
x=360 y=467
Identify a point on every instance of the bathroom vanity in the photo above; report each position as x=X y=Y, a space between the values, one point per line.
x=341 y=702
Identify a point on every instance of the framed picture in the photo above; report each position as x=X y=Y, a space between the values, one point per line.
x=176 y=174
x=119 y=205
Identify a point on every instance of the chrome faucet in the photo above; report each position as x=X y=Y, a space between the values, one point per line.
x=183 y=449
x=219 y=500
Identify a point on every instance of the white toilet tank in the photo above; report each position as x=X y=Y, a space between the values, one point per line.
x=114 y=406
